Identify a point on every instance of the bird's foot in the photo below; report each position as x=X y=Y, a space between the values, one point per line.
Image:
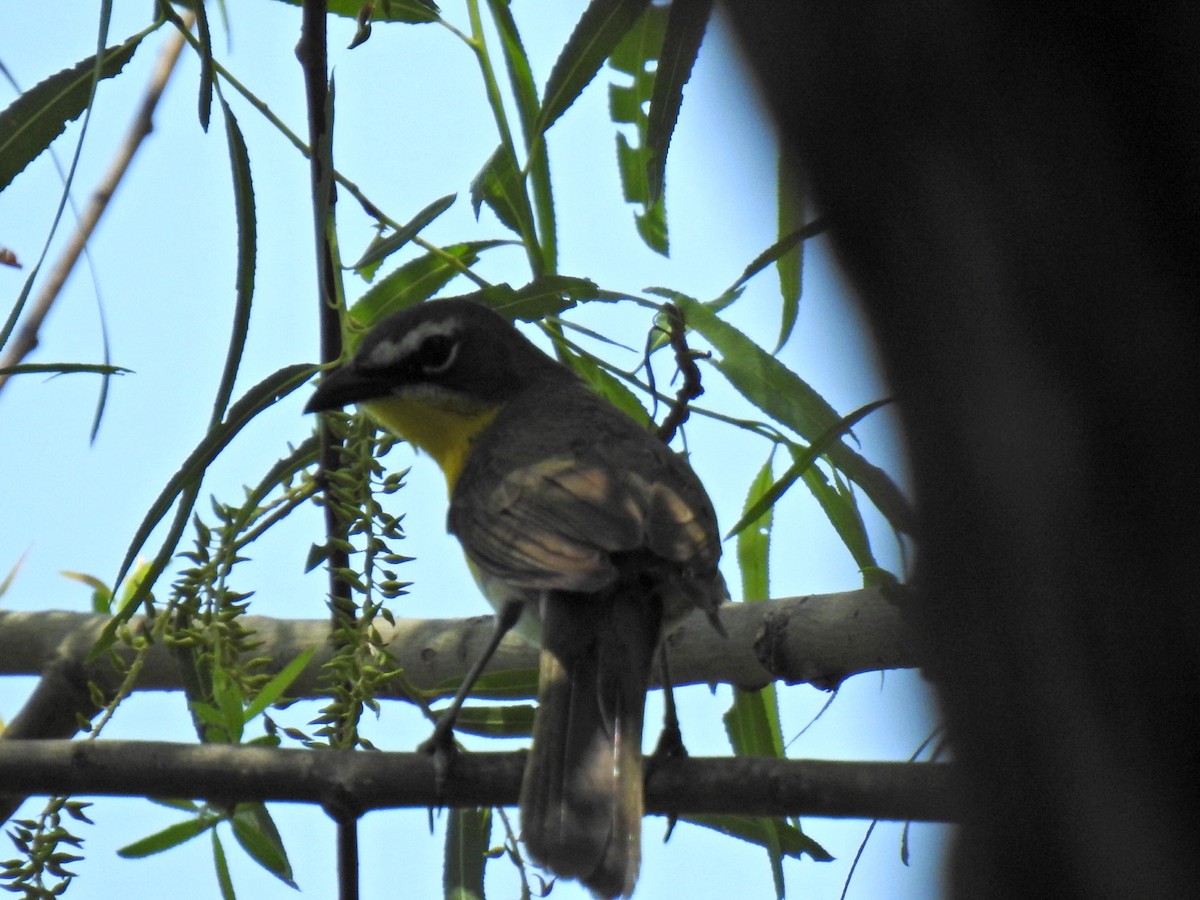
x=670 y=745
x=442 y=747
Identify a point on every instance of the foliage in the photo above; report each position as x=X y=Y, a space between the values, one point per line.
x=649 y=51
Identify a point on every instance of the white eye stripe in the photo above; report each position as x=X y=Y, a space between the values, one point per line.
x=388 y=352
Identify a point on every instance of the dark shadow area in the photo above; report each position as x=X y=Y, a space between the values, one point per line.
x=1014 y=190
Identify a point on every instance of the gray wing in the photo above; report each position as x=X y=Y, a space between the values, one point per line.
x=557 y=524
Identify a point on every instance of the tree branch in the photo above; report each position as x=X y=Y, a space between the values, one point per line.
x=360 y=781
x=819 y=639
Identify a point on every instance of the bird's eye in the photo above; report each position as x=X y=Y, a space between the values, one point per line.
x=437 y=354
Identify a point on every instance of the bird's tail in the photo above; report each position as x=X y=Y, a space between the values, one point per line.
x=581 y=798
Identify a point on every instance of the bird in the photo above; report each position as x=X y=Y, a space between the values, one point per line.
x=584 y=530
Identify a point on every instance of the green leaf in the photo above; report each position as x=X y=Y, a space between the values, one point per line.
x=753 y=546
x=247 y=230
x=789 y=400
x=63 y=369
x=382 y=247
x=510 y=720
x=524 y=89
x=31 y=122
x=777 y=251
x=505 y=684
x=840 y=507
x=204 y=39
x=221 y=864
x=171 y=836
x=752 y=721
x=601 y=27
x=468 y=840
x=501 y=185
x=7 y=580
x=637 y=56
x=274 y=689
x=605 y=384
x=416 y=281
x=231 y=702
x=546 y=296
x=789 y=265
x=255 y=830
x=793 y=842
x=685 y=30
x=803 y=459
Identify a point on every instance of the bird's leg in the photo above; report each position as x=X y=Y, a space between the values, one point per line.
x=441 y=743
x=670 y=742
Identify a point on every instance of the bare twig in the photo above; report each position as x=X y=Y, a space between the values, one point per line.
x=685 y=359
x=25 y=339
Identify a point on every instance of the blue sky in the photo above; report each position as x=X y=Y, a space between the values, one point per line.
x=412 y=126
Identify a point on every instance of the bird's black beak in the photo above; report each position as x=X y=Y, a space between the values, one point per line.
x=343 y=386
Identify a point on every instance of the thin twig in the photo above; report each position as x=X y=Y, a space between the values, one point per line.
x=685 y=359
x=25 y=339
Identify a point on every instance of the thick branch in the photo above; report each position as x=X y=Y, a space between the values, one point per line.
x=359 y=781
x=818 y=639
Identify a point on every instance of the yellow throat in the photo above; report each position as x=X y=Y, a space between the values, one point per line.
x=444 y=433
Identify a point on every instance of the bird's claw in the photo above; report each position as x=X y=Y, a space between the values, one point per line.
x=442 y=747
x=670 y=745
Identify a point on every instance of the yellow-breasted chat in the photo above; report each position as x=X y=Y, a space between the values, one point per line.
x=583 y=529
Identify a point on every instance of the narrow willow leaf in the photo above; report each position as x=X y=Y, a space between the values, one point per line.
x=417 y=280
x=778 y=250
x=247 y=254
x=637 y=56
x=7 y=580
x=601 y=27
x=255 y=830
x=801 y=463
x=605 y=384
x=549 y=295
x=501 y=185
x=520 y=75
x=31 y=122
x=221 y=865
x=510 y=720
x=788 y=399
x=789 y=265
x=752 y=721
x=382 y=247
x=275 y=688
x=414 y=12
x=204 y=39
x=506 y=684
x=171 y=836
x=753 y=546
x=529 y=109
x=794 y=842
x=840 y=507
x=63 y=369
x=468 y=840
x=685 y=30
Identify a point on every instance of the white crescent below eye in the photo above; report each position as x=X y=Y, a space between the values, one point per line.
x=445 y=364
